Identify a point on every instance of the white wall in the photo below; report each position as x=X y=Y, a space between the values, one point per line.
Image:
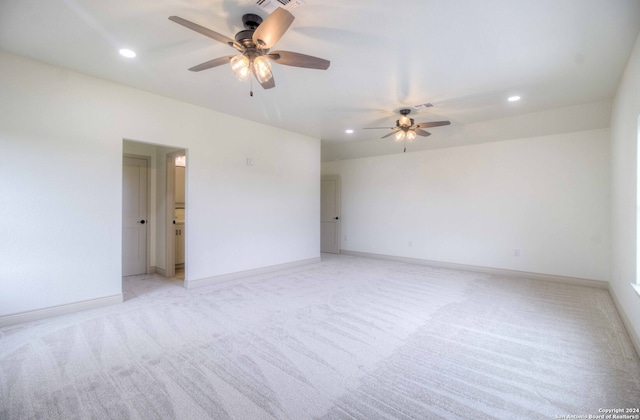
x=61 y=191
x=624 y=158
x=546 y=196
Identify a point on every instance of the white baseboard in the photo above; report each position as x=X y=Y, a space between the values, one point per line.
x=488 y=270
x=223 y=279
x=68 y=308
x=635 y=340
x=159 y=270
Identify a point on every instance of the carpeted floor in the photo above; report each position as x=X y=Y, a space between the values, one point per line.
x=345 y=338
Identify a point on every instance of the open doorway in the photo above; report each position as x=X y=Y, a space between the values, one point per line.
x=176 y=220
x=165 y=204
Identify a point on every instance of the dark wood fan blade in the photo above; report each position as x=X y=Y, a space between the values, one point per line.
x=433 y=124
x=421 y=132
x=289 y=58
x=269 y=84
x=204 y=31
x=212 y=63
x=272 y=28
x=390 y=134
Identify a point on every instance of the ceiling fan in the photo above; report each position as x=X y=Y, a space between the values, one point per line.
x=254 y=44
x=406 y=129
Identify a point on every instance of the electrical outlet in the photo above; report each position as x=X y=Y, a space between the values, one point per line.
x=250 y=161
x=410 y=243
x=516 y=252
x=345 y=238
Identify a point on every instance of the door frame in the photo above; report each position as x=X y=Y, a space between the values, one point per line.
x=147 y=159
x=170 y=257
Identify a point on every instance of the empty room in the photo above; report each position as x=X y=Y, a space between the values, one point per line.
x=306 y=209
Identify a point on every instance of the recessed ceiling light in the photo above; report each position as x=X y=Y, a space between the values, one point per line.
x=126 y=52
x=514 y=98
x=349 y=131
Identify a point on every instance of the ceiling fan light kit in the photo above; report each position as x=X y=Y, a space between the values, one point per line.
x=262 y=69
x=240 y=66
x=408 y=135
x=254 y=44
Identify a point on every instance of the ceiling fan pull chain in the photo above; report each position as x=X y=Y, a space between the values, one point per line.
x=251 y=86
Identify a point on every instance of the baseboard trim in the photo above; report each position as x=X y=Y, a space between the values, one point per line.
x=225 y=278
x=68 y=308
x=635 y=340
x=159 y=270
x=488 y=270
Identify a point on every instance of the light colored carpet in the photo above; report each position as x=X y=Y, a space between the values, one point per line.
x=345 y=338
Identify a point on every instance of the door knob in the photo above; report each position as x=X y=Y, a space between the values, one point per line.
x=337 y=217
x=142 y=222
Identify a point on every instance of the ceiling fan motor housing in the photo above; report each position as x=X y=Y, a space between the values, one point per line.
x=251 y=21
x=404 y=122
x=244 y=37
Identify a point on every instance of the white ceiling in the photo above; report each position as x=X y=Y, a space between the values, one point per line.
x=464 y=56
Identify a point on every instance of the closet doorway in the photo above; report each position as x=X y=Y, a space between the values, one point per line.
x=160 y=209
x=176 y=222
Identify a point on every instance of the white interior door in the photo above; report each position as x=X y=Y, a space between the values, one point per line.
x=330 y=214
x=134 y=216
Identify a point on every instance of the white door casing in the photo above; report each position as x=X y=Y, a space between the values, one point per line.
x=330 y=214
x=135 y=179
